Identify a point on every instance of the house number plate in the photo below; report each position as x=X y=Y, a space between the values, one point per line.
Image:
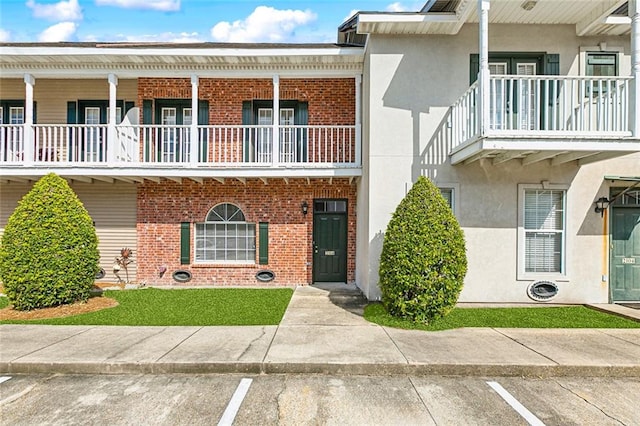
x=628 y=260
x=329 y=252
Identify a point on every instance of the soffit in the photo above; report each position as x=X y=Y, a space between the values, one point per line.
x=141 y=59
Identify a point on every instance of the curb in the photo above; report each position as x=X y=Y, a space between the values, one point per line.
x=362 y=369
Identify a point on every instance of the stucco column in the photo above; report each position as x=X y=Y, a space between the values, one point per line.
x=634 y=98
x=483 y=75
x=194 y=138
x=359 y=119
x=276 y=121
x=112 y=146
x=28 y=138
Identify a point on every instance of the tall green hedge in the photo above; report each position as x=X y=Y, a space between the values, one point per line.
x=49 y=253
x=423 y=260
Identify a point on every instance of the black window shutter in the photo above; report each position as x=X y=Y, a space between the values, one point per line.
x=127 y=106
x=185 y=243
x=203 y=120
x=263 y=234
x=246 y=120
x=474 y=67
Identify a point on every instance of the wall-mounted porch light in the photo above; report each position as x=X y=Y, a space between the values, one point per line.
x=602 y=204
x=305 y=207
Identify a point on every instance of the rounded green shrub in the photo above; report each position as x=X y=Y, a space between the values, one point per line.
x=49 y=253
x=423 y=260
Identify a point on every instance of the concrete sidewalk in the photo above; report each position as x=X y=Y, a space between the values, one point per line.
x=321 y=332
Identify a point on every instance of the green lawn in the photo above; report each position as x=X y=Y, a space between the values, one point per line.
x=538 y=317
x=198 y=307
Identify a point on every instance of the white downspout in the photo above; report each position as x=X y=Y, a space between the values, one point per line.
x=634 y=110
x=483 y=75
x=276 y=121
x=195 y=140
x=112 y=145
x=359 y=120
x=28 y=138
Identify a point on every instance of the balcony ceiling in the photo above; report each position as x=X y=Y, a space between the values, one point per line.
x=530 y=150
x=590 y=17
x=59 y=60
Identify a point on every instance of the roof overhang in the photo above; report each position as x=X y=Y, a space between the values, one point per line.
x=591 y=17
x=623 y=178
x=129 y=61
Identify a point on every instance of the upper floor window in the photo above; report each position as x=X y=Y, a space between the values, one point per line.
x=16 y=115
x=225 y=236
x=601 y=64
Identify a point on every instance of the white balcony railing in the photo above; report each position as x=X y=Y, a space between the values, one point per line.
x=545 y=106
x=218 y=146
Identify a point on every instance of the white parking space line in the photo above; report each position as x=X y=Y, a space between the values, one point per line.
x=234 y=405
x=4 y=378
x=520 y=409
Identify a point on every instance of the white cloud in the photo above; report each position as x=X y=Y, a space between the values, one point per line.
x=353 y=12
x=397 y=7
x=167 y=37
x=4 y=35
x=161 y=5
x=265 y=24
x=61 y=11
x=63 y=31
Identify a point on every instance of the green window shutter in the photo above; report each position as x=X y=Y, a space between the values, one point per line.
x=127 y=106
x=302 y=119
x=185 y=243
x=72 y=110
x=552 y=64
x=147 y=118
x=72 y=117
x=474 y=67
x=247 y=108
x=147 y=111
x=203 y=120
x=263 y=255
x=35 y=115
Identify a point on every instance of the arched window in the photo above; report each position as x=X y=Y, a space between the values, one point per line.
x=225 y=236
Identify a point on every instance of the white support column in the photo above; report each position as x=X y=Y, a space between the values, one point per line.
x=112 y=145
x=276 y=121
x=483 y=75
x=634 y=97
x=359 y=120
x=195 y=140
x=28 y=137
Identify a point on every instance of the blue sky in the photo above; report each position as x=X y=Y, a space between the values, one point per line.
x=286 y=21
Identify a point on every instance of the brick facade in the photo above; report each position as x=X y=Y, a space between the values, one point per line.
x=331 y=100
x=163 y=206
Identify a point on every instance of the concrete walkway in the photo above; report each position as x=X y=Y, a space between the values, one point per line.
x=321 y=332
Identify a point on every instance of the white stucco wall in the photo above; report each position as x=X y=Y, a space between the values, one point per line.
x=411 y=82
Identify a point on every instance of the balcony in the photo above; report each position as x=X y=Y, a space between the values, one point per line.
x=535 y=118
x=165 y=151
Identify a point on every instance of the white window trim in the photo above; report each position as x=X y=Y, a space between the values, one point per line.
x=225 y=262
x=522 y=275
x=455 y=199
x=604 y=48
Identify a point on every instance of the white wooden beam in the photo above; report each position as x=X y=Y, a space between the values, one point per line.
x=540 y=156
x=506 y=156
x=175 y=179
x=197 y=179
x=264 y=180
x=243 y=180
x=219 y=179
x=153 y=179
x=102 y=179
x=286 y=180
x=84 y=179
x=569 y=157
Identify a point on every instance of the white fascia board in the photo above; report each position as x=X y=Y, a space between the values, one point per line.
x=150 y=51
x=368 y=21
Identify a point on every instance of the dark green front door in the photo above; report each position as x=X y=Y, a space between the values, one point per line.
x=329 y=242
x=625 y=254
